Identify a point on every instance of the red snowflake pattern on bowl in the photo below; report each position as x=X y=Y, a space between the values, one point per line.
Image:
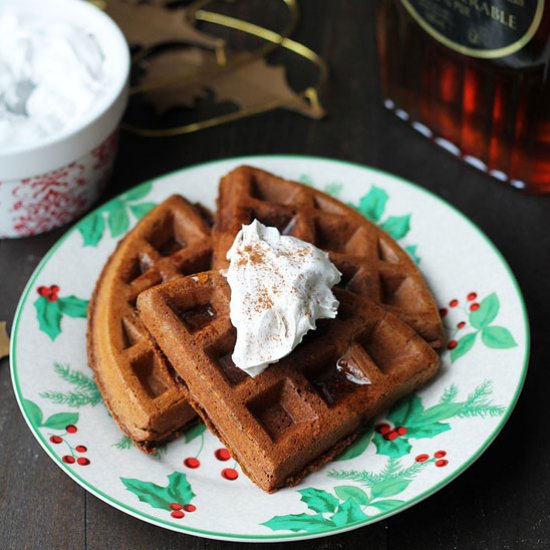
x=35 y=205
x=43 y=202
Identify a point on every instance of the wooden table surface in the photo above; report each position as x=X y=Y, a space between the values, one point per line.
x=501 y=502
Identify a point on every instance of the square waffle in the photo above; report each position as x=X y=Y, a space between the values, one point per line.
x=306 y=408
x=135 y=379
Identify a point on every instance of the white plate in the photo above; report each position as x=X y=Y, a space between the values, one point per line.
x=444 y=428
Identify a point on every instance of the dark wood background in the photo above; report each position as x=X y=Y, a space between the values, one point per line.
x=501 y=502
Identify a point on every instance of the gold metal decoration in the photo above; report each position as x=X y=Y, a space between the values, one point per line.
x=180 y=76
x=4 y=340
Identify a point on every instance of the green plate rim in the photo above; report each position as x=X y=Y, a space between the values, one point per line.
x=273 y=537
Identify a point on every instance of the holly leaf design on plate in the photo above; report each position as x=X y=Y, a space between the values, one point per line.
x=177 y=491
x=49 y=312
x=406 y=411
x=481 y=319
x=486 y=313
x=34 y=412
x=194 y=432
x=117 y=218
x=73 y=306
x=92 y=228
x=319 y=500
x=306 y=179
x=299 y=522
x=347 y=513
x=397 y=226
x=395 y=449
x=427 y=431
x=346 y=492
x=357 y=447
x=411 y=250
x=139 y=210
x=389 y=487
x=139 y=192
x=373 y=204
x=333 y=189
x=348 y=507
x=59 y=421
x=497 y=338
x=49 y=316
x=418 y=423
x=463 y=346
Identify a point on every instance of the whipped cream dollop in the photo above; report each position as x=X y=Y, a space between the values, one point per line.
x=52 y=74
x=280 y=286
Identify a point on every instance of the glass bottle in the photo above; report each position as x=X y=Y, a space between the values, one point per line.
x=473 y=76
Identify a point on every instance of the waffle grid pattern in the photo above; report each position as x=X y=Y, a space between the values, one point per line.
x=372 y=264
x=309 y=392
x=136 y=380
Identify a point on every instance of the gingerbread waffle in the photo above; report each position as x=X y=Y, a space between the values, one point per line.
x=136 y=381
x=303 y=410
x=372 y=263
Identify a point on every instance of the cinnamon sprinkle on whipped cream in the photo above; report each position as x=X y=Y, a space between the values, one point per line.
x=280 y=286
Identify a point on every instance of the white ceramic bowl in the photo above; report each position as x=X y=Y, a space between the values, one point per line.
x=51 y=183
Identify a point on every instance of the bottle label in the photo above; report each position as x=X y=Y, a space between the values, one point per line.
x=479 y=28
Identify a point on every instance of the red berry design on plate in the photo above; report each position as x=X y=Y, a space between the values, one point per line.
x=422 y=458
x=178 y=514
x=402 y=430
x=175 y=506
x=49 y=292
x=230 y=474
x=55 y=439
x=189 y=507
x=222 y=454
x=453 y=303
x=474 y=306
x=441 y=463
x=71 y=429
x=81 y=448
x=192 y=462
x=391 y=436
x=82 y=461
x=68 y=459
x=452 y=344
x=440 y=454
x=383 y=429
x=443 y=311
x=471 y=297
x=462 y=324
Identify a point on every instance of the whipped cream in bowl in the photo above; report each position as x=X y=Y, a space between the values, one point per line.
x=280 y=286
x=64 y=72
x=51 y=75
